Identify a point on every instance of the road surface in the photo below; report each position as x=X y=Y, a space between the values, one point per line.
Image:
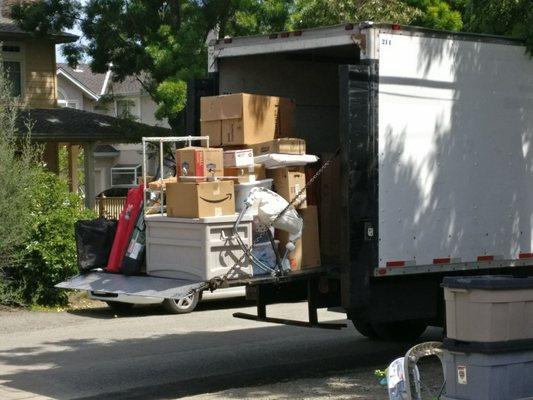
x=147 y=354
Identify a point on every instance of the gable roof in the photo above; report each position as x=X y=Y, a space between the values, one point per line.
x=96 y=84
x=71 y=125
x=82 y=76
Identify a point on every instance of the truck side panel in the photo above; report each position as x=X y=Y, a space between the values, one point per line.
x=455 y=151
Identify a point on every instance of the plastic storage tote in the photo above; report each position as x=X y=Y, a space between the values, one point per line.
x=497 y=376
x=489 y=308
x=196 y=248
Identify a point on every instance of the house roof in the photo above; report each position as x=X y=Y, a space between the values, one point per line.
x=10 y=30
x=105 y=148
x=84 y=78
x=96 y=84
x=71 y=125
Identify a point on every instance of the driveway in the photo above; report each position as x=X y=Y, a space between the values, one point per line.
x=147 y=354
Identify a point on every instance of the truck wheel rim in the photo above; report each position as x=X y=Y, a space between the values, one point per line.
x=185 y=302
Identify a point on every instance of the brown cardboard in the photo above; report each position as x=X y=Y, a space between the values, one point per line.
x=199 y=161
x=310 y=238
x=156 y=185
x=213 y=129
x=204 y=199
x=330 y=210
x=245 y=119
x=238 y=158
x=245 y=174
x=285 y=122
x=307 y=249
x=288 y=181
x=281 y=145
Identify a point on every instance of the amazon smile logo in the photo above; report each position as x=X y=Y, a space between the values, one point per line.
x=213 y=201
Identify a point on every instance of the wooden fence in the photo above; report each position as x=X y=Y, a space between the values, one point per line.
x=109 y=207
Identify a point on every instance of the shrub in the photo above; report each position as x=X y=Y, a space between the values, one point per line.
x=49 y=255
x=37 y=215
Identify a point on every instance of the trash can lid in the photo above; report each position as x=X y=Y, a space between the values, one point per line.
x=487 y=282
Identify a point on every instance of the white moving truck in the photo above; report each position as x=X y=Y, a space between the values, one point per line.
x=435 y=131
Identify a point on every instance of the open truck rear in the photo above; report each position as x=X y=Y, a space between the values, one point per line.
x=434 y=175
x=436 y=164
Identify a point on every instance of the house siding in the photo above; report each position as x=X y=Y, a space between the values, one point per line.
x=40 y=74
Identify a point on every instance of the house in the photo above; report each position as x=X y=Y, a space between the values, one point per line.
x=30 y=65
x=116 y=165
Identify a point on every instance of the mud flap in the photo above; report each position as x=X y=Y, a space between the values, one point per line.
x=147 y=286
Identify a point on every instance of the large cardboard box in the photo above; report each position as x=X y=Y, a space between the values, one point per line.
x=307 y=251
x=244 y=119
x=199 y=161
x=204 y=199
x=280 y=146
x=245 y=174
x=288 y=181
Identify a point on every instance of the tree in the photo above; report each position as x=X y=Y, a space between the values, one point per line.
x=160 y=43
x=311 y=13
x=512 y=18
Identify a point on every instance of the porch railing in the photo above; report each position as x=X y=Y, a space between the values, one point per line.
x=109 y=207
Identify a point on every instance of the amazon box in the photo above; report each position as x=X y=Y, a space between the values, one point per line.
x=288 y=181
x=203 y=199
x=245 y=174
x=280 y=146
x=245 y=119
x=199 y=162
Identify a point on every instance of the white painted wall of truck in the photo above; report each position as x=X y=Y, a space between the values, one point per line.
x=455 y=149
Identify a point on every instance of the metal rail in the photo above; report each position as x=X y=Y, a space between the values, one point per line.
x=165 y=139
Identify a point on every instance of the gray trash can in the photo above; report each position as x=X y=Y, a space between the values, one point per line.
x=494 y=375
x=489 y=308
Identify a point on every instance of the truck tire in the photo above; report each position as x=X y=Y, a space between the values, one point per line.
x=400 y=331
x=365 y=328
x=120 y=306
x=184 y=305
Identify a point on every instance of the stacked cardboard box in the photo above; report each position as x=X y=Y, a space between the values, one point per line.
x=247 y=125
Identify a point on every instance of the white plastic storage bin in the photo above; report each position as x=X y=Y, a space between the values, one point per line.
x=489 y=308
x=196 y=248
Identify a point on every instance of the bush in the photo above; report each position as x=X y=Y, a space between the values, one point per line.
x=49 y=255
x=37 y=214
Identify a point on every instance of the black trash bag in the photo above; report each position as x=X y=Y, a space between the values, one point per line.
x=94 y=239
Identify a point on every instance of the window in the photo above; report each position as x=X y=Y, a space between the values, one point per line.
x=68 y=103
x=14 y=76
x=126 y=108
x=12 y=63
x=125 y=175
x=62 y=100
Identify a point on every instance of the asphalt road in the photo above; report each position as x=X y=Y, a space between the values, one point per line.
x=146 y=354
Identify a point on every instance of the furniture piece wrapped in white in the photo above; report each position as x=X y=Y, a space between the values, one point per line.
x=196 y=248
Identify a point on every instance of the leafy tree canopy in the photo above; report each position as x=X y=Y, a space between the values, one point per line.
x=163 y=43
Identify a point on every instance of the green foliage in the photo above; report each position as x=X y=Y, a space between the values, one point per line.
x=18 y=168
x=37 y=245
x=437 y=14
x=512 y=18
x=311 y=13
x=49 y=254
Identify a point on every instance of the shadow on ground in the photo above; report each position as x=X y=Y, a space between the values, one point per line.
x=187 y=363
x=105 y=312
